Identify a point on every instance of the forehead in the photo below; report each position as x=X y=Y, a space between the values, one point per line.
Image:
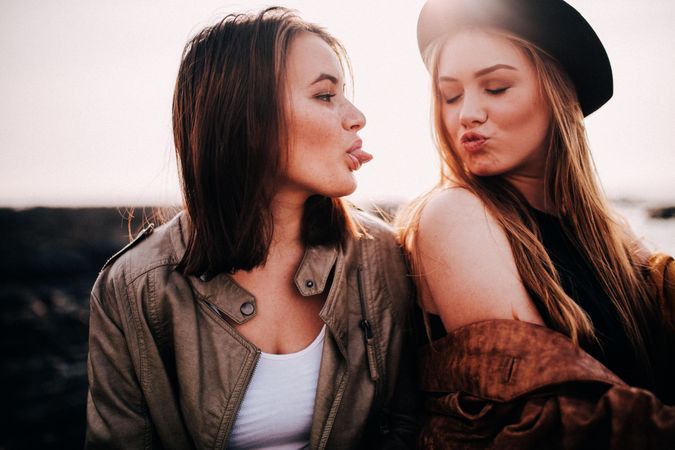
x=308 y=57
x=470 y=50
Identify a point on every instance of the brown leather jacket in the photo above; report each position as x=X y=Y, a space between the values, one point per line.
x=167 y=369
x=514 y=385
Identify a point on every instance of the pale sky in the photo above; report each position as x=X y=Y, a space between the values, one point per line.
x=86 y=86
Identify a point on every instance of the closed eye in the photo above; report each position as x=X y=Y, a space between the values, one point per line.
x=452 y=100
x=496 y=91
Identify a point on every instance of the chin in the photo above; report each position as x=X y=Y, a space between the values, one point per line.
x=341 y=189
x=483 y=171
x=337 y=193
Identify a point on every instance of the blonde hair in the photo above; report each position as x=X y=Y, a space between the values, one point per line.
x=572 y=187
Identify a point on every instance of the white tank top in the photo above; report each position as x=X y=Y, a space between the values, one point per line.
x=277 y=409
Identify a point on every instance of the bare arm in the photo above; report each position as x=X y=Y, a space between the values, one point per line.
x=468 y=270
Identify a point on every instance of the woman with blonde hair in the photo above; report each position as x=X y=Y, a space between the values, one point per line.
x=551 y=325
x=268 y=313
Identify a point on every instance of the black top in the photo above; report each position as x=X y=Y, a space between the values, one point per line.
x=579 y=281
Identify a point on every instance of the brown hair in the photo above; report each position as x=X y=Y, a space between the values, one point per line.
x=572 y=187
x=228 y=125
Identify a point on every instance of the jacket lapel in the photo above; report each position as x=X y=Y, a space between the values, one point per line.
x=334 y=371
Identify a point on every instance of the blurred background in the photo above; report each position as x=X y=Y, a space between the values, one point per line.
x=85 y=133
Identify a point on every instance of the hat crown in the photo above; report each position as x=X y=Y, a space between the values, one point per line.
x=552 y=25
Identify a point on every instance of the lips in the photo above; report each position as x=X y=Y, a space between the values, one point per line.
x=357 y=156
x=472 y=142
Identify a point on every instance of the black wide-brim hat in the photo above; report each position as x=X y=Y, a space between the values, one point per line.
x=552 y=25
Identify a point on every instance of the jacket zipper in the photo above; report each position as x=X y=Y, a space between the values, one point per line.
x=240 y=400
x=371 y=358
x=339 y=392
x=247 y=382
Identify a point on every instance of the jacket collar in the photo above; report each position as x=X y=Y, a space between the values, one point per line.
x=504 y=359
x=239 y=305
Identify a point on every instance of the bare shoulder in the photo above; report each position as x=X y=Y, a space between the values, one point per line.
x=452 y=206
x=467 y=264
x=452 y=216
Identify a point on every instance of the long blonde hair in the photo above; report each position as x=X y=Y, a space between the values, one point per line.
x=572 y=187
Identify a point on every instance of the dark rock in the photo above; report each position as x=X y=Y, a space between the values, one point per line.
x=666 y=212
x=49 y=259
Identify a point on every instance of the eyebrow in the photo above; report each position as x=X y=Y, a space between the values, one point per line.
x=325 y=76
x=483 y=72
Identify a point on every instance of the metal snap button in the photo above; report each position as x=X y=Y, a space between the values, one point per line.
x=309 y=283
x=247 y=308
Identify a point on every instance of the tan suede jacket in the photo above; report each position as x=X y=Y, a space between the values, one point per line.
x=505 y=384
x=167 y=369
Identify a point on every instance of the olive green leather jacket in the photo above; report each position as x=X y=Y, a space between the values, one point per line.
x=167 y=369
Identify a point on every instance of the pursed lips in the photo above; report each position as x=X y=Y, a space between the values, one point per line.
x=472 y=141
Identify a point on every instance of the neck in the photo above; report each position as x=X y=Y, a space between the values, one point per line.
x=533 y=189
x=287 y=212
x=286 y=248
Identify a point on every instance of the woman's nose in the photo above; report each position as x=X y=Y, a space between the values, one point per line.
x=353 y=119
x=472 y=112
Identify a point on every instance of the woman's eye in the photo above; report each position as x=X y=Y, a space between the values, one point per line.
x=496 y=91
x=452 y=100
x=325 y=97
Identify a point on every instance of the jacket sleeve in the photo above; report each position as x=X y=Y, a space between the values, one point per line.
x=116 y=410
x=623 y=418
x=401 y=423
x=510 y=384
x=567 y=416
x=395 y=424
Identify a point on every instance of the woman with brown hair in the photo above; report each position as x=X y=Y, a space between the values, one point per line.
x=545 y=315
x=267 y=314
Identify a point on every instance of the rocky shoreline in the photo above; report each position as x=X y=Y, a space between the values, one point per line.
x=663 y=212
x=49 y=261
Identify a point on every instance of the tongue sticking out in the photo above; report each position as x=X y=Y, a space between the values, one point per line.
x=358 y=158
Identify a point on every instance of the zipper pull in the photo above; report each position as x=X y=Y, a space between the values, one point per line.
x=367 y=330
x=364 y=324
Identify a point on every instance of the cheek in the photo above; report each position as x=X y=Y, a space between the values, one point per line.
x=313 y=129
x=527 y=116
x=314 y=144
x=450 y=122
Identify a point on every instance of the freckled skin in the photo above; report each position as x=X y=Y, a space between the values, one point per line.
x=515 y=120
x=322 y=123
